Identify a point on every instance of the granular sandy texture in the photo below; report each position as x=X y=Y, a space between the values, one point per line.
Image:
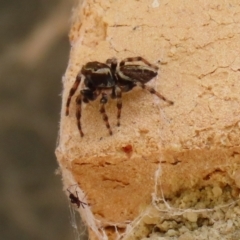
x=181 y=178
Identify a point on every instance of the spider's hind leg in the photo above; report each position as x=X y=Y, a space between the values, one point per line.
x=138 y=59
x=153 y=91
x=103 y=101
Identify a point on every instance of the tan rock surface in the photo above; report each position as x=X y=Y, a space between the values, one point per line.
x=189 y=148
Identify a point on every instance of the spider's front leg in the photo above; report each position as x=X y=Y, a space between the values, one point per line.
x=153 y=91
x=85 y=95
x=103 y=101
x=72 y=91
x=79 y=113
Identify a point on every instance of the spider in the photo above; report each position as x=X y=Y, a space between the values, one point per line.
x=75 y=199
x=100 y=78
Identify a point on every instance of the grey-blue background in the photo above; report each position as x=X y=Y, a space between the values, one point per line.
x=34 y=54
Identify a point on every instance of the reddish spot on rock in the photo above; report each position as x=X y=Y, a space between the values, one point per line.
x=127 y=149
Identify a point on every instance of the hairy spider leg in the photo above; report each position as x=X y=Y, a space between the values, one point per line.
x=103 y=101
x=113 y=64
x=113 y=93
x=153 y=91
x=72 y=91
x=79 y=113
x=119 y=104
x=138 y=59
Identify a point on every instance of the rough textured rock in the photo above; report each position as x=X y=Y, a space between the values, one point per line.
x=181 y=178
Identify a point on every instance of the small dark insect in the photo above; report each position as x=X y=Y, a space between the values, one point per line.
x=100 y=78
x=75 y=199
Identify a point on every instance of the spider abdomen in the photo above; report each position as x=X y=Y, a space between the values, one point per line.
x=136 y=73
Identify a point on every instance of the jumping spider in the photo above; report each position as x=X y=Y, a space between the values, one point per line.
x=102 y=77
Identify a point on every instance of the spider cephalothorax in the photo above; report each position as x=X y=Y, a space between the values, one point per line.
x=102 y=77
